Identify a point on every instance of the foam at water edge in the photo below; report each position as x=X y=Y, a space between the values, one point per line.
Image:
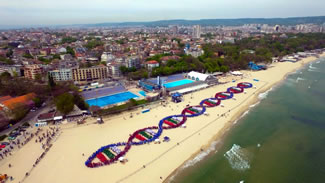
x=197 y=158
x=237 y=158
x=300 y=79
x=201 y=155
x=246 y=112
x=264 y=95
x=311 y=67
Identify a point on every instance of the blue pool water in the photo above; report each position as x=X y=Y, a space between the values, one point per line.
x=178 y=83
x=143 y=93
x=112 y=99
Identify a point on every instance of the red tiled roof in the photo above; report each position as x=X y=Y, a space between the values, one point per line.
x=152 y=62
x=46 y=116
x=24 y=99
x=2 y=99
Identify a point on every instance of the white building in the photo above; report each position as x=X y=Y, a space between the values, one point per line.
x=194 y=52
x=152 y=64
x=61 y=75
x=133 y=62
x=107 y=57
x=114 y=69
x=62 y=50
x=197 y=31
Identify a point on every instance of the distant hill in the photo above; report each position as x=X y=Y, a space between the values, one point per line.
x=203 y=22
x=216 y=22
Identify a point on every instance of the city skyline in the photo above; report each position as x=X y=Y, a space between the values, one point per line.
x=59 y=12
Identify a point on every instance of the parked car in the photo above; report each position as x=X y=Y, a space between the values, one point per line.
x=22 y=130
x=52 y=110
x=5 y=143
x=11 y=138
x=15 y=134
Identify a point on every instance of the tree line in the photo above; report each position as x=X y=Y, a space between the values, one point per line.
x=235 y=56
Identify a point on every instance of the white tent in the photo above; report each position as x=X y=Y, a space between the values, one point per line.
x=236 y=73
x=58 y=118
x=197 y=76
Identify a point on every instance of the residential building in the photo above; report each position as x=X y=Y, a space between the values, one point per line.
x=133 y=62
x=32 y=71
x=114 y=69
x=152 y=64
x=13 y=70
x=84 y=75
x=107 y=57
x=61 y=75
x=194 y=52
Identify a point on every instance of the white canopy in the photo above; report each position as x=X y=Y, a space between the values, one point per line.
x=197 y=76
x=58 y=118
x=236 y=73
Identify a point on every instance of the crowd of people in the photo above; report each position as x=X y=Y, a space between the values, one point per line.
x=17 y=143
x=47 y=137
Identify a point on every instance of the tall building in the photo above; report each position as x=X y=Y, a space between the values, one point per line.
x=196 y=31
x=84 y=75
x=32 y=71
x=114 y=69
x=61 y=75
x=175 y=30
x=133 y=61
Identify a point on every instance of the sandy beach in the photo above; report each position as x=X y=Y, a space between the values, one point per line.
x=64 y=162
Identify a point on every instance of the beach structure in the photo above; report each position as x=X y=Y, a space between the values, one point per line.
x=107 y=155
x=256 y=67
x=181 y=83
x=176 y=97
x=196 y=76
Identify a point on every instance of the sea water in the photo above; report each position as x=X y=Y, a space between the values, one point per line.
x=281 y=140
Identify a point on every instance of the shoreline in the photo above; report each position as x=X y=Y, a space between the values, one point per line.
x=219 y=136
x=153 y=162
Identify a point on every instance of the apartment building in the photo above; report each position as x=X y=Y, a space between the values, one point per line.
x=84 y=75
x=32 y=71
x=61 y=75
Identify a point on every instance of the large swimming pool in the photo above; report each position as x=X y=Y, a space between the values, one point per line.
x=178 y=83
x=111 y=99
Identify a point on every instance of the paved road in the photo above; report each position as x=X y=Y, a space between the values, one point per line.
x=31 y=118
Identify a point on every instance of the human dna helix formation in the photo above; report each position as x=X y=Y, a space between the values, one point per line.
x=111 y=153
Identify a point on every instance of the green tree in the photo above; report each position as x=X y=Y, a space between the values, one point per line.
x=56 y=56
x=19 y=111
x=93 y=44
x=70 y=51
x=6 y=60
x=132 y=102
x=51 y=82
x=68 y=40
x=64 y=103
x=124 y=69
x=5 y=76
x=9 y=53
x=80 y=102
x=27 y=55
x=37 y=101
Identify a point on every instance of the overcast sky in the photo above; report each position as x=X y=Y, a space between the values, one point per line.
x=53 y=12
